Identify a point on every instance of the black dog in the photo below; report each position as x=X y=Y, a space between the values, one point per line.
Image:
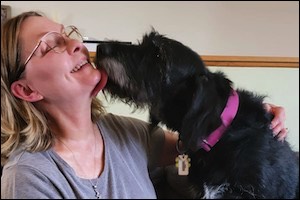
x=226 y=132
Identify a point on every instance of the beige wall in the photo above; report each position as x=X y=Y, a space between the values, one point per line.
x=210 y=28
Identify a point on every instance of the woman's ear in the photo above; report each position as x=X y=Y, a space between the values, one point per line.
x=21 y=90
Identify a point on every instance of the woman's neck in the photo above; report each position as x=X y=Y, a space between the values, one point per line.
x=84 y=153
x=70 y=122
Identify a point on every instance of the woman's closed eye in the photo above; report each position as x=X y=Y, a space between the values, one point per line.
x=49 y=46
x=43 y=49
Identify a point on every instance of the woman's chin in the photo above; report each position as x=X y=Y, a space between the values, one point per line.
x=101 y=84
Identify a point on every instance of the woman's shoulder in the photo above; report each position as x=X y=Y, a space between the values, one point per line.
x=21 y=158
x=122 y=121
x=123 y=127
x=118 y=126
x=115 y=117
x=27 y=174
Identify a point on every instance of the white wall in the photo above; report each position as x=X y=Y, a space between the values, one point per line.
x=265 y=28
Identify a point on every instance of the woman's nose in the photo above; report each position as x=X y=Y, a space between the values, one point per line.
x=74 y=46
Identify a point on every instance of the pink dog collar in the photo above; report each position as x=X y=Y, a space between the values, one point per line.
x=227 y=116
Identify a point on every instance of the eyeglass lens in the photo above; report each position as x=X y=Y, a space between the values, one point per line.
x=56 y=42
x=73 y=33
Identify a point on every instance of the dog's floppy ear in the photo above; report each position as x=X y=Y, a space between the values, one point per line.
x=202 y=116
x=193 y=122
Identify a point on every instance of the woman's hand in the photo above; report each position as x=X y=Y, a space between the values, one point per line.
x=277 y=124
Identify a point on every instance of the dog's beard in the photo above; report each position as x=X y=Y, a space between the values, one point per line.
x=116 y=71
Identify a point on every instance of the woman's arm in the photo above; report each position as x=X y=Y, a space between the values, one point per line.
x=169 y=152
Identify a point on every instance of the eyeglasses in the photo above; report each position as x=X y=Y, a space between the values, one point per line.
x=54 y=41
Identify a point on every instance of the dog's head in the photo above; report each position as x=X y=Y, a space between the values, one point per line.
x=162 y=74
x=155 y=67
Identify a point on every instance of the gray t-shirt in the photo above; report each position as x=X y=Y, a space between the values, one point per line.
x=129 y=151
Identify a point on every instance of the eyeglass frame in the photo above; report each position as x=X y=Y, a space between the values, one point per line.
x=73 y=28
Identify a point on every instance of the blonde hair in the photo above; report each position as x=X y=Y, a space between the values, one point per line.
x=21 y=122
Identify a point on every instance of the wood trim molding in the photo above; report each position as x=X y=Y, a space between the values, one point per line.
x=251 y=61
x=245 y=61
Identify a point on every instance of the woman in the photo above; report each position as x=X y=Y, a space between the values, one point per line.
x=56 y=139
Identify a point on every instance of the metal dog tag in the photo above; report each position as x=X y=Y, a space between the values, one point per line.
x=183 y=164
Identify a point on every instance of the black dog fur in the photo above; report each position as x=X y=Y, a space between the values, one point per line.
x=171 y=80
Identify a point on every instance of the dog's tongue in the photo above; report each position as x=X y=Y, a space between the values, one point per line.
x=101 y=83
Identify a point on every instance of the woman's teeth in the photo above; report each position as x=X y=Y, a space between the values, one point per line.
x=78 y=67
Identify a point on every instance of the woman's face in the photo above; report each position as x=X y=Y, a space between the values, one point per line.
x=50 y=74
